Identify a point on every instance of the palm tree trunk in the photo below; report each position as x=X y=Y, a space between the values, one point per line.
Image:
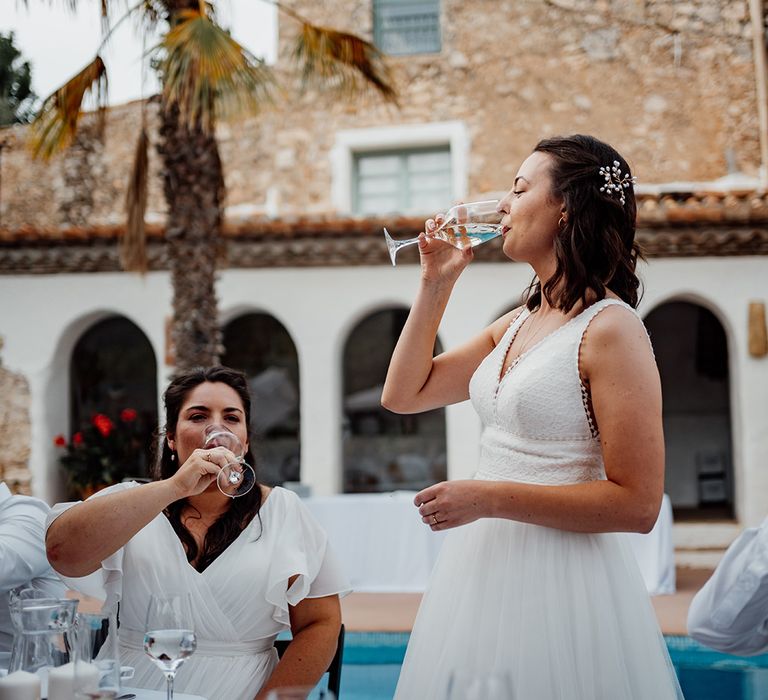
x=194 y=192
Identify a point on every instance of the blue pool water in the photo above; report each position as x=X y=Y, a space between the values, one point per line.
x=372 y=663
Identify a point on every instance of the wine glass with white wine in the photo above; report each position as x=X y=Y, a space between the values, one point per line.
x=464 y=226
x=236 y=478
x=169 y=637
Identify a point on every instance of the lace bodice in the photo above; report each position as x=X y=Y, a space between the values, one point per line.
x=536 y=423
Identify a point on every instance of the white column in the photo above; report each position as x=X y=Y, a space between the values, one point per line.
x=320 y=379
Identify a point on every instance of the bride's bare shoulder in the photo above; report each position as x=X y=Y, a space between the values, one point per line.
x=617 y=332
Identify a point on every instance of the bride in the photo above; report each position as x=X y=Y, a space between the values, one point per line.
x=535 y=580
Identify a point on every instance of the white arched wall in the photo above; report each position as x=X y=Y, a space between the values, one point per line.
x=57 y=392
x=318 y=306
x=724 y=286
x=703 y=300
x=40 y=328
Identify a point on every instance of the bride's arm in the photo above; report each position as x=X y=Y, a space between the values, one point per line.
x=315 y=625
x=617 y=361
x=415 y=380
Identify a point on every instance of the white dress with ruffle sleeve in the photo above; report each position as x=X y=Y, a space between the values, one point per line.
x=239 y=603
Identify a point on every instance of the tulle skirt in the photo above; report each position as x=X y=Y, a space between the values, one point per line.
x=566 y=615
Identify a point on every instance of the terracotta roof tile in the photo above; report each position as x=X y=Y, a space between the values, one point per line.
x=696 y=212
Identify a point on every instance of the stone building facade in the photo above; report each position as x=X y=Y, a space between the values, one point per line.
x=671 y=84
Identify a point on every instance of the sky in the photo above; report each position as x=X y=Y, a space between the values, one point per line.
x=59 y=43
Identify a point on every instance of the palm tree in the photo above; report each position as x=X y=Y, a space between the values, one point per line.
x=205 y=74
x=16 y=96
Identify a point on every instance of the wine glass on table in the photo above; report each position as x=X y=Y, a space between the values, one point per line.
x=464 y=226
x=236 y=478
x=169 y=637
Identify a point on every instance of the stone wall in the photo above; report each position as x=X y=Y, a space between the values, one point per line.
x=671 y=84
x=14 y=431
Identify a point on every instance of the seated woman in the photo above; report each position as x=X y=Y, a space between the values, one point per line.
x=253 y=565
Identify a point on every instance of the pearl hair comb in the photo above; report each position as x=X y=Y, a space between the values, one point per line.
x=615 y=182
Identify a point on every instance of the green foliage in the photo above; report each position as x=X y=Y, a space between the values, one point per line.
x=16 y=96
x=102 y=453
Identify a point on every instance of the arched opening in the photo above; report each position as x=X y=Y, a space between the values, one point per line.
x=384 y=451
x=259 y=345
x=692 y=354
x=113 y=375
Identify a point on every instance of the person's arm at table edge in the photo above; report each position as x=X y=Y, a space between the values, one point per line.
x=22 y=552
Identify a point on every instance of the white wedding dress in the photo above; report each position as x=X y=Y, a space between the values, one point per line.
x=239 y=603
x=566 y=615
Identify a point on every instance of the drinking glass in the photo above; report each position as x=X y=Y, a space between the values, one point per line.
x=169 y=637
x=97 y=669
x=464 y=226
x=476 y=685
x=236 y=478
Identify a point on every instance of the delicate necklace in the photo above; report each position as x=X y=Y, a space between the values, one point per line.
x=529 y=337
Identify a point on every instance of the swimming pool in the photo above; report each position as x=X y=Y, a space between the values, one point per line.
x=372 y=663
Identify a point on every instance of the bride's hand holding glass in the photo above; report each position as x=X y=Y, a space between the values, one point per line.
x=439 y=260
x=463 y=226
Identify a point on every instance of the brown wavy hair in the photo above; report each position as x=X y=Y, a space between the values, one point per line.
x=595 y=248
x=241 y=510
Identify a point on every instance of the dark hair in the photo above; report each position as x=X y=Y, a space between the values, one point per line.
x=242 y=509
x=595 y=247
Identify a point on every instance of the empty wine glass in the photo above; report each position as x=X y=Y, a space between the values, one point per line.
x=236 y=478
x=97 y=669
x=169 y=637
x=464 y=226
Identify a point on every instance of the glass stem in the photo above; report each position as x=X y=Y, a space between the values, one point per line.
x=169 y=686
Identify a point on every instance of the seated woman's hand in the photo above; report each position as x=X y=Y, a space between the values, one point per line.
x=200 y=470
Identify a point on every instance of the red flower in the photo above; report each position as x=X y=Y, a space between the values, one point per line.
x=128 y=415
x=60 y=441
x=103 y=424
x=77 y=439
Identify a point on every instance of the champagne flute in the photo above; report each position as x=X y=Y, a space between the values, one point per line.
x=169 y=637
x=235 y=478
x=464 y=226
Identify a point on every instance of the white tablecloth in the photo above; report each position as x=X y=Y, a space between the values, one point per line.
x=380 y=539
x=384 y=546
x=655 y=553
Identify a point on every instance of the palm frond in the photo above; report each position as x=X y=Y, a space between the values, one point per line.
x=207 y=74
x=56 y=123
x=342 y=60
x=133 y=245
